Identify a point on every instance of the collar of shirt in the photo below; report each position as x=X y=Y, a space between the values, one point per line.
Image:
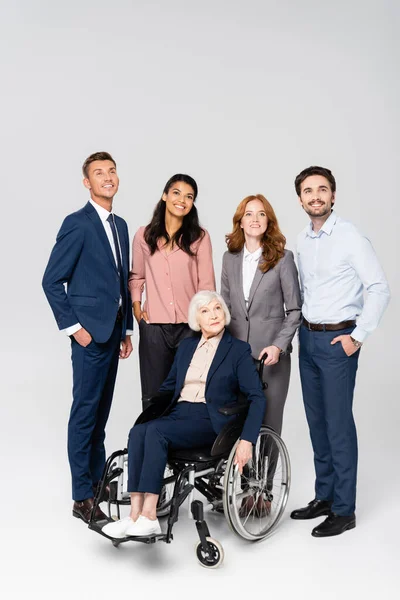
x=102 y=212
x=327 y=227
x=214 y=341
x=251 y=256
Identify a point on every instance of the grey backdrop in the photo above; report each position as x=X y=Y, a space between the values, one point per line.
x=242 y=96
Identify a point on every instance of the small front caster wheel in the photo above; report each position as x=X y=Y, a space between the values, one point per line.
x=115 y=544
x=214 y=555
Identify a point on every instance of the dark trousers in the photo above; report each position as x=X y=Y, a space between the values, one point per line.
x=94 y=372
x=187 y=426
x=157 y=348
x=328 y=378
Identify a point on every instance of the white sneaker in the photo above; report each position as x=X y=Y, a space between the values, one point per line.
x=143 y=526
x=118 y=528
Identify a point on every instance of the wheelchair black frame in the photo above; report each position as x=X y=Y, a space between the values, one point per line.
x=178 y=498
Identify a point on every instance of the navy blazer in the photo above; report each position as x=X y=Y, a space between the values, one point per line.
x=82 y=258
x=231 y=370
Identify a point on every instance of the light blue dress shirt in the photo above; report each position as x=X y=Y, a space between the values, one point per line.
x=336 y=266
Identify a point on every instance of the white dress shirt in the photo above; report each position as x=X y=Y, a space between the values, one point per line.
x=194 y=388
x=103 y=214
x=336 y=266
x=250 y=264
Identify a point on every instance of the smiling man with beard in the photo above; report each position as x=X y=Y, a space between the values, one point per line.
x=337 y=264
x=91 y=257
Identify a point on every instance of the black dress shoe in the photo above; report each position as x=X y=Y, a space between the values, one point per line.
x=334 y=525
x=83 y=510
x=315 y=508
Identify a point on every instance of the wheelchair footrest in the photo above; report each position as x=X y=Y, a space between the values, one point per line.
x=97 y=526
x=148 y=539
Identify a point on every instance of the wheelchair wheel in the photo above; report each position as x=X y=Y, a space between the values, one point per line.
x=214 y=557
x=164 y=500
x=255 y=501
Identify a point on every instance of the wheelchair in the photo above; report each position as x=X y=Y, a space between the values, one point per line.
x=253 y=502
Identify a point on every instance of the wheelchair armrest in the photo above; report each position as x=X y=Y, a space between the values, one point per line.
x=228 y=435
x=157 y=405
x=156 y=399
x=238 y=408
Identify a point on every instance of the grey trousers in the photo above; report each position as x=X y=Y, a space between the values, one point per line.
x=277 y=377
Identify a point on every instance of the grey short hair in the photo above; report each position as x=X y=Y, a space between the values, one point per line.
x=202 y=299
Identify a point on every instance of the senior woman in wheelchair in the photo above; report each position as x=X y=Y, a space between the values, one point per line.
x=208 y=372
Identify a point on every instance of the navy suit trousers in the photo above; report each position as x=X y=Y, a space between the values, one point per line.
x=94 y=372
x=187 y=426
x=328 y=378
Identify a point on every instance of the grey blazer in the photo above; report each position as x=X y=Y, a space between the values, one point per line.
x=274 y=309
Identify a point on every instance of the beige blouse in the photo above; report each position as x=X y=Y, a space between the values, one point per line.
x=195 y=381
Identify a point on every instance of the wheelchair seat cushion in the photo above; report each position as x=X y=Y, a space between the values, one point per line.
x=202 y=454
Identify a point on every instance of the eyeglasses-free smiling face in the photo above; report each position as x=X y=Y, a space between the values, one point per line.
x=316 y=196
x=211 y=319
x=254 y=221
x=102 y=180
x=179 y=199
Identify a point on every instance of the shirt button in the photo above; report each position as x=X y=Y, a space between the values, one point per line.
x=170 y=302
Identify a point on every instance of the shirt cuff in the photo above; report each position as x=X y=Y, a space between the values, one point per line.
x=129 y=332
x=73 y=329
x=359 y=334
x=136 y=295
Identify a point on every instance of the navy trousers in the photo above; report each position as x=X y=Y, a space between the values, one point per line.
x=94 y=372
x=328 y=378
x=187 y=426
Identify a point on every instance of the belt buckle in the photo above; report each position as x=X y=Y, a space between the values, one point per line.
x=309 y=326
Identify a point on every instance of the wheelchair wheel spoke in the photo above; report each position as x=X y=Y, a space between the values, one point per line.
x=254 y=501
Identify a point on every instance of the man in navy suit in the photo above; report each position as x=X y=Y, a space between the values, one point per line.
x=91 y=256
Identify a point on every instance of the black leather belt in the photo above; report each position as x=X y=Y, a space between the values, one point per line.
x=328 y=326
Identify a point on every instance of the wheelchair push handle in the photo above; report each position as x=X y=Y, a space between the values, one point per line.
x=261 y=370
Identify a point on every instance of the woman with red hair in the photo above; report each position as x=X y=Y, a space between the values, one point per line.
x=259 y=284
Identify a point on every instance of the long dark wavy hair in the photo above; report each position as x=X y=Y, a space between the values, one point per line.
x=273 y=241
x=189 y=232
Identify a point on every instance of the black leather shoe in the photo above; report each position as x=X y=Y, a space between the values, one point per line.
x=83 y=510
x=315 y=508
x=334 y=525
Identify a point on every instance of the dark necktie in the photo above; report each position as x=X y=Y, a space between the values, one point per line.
x=110 y=219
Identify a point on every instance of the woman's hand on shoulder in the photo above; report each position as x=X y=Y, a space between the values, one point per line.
x=273 y=353
x=243 y=454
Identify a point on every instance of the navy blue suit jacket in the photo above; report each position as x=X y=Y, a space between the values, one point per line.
x=231 y=371
x=82 y=258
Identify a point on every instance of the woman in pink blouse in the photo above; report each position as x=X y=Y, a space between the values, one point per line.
x=172 y=261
